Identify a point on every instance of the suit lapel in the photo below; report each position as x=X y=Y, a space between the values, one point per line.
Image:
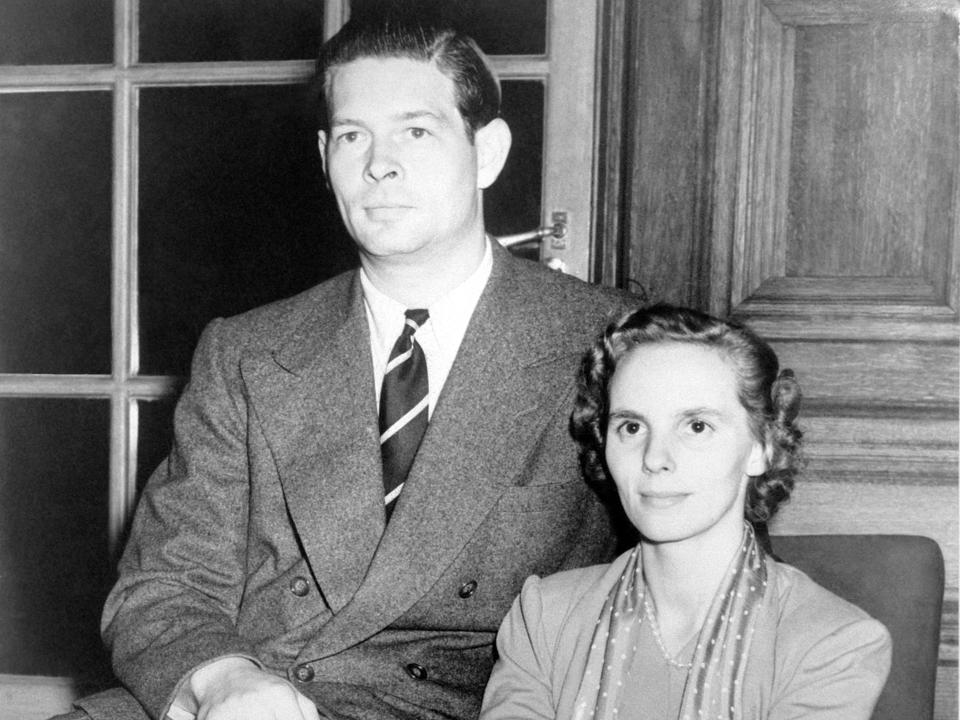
x=470 y=453
x=315 y=400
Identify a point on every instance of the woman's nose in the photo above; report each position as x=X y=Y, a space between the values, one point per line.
x=657 y=454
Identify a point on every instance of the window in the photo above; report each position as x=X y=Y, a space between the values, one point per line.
x=158 y=168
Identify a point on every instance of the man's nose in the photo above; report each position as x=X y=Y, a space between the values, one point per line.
x=382 y=162
x=657 y=454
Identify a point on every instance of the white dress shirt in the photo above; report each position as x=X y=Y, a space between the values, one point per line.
x=440 y=336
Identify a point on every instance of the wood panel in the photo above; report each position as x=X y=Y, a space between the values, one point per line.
x=874 y=375
x=652 y=182
x=945 y=703
x=860 y=205
x=836 y=158
x=870 y=449
x=819 y=12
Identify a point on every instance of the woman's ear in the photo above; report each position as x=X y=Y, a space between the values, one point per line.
x=759 y=461
x=493 y=144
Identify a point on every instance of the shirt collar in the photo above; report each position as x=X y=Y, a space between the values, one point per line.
x=449 y=315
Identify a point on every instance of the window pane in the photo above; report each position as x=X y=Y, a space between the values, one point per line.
x=233 y=211
x=55 y=193
x=512 y=203
x=154 y=436
x=191 y=31
x=500 y=27
x=54 y=555
x=38 y=32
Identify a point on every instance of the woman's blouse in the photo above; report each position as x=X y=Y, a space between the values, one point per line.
x=818 y=656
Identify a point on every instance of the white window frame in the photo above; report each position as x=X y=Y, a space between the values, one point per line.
x=567 y=71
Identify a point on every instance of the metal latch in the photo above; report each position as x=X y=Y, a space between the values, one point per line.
x=557 y=231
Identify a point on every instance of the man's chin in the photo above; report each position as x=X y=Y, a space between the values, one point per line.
x=392 y=246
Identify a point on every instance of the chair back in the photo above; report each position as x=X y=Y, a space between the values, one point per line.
x=897 y=579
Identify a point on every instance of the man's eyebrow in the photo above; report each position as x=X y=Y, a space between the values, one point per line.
x=420 y=114
x=340 y=121
x=337 y=121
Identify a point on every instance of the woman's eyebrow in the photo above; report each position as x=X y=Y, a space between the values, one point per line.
x=703 y=411
x=623 y=413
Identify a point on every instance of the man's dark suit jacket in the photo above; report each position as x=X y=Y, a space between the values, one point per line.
x=262 y=534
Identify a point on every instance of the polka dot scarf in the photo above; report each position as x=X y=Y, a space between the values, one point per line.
x=713 y=689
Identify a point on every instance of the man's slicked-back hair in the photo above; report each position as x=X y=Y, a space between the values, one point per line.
x=399 y=31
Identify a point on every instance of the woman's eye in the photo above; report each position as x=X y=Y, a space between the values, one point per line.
x=630 y=428
x=417 y=133
x=698 y=426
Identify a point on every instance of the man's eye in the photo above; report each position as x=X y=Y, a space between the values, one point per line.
x=417 y=133
x=349 y=137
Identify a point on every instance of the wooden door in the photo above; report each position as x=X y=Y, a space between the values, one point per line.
x=795 y=164
x=836 y=236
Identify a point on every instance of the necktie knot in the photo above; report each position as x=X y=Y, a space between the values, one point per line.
x=415 y=319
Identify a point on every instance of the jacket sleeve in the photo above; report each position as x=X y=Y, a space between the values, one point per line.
x=839 y=676
x=175 y=603
x=519 y=686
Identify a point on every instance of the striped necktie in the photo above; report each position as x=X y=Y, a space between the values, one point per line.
x=403 y=407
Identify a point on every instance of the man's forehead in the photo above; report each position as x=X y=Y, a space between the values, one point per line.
x=391 y=88
x=414 y=68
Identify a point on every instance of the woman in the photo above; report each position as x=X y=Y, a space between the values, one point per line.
x=691 y=419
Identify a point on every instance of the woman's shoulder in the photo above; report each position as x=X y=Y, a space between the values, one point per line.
x=566 y=584
x=569 y=596
x=809 y=614
x=824 y=652
x=802 y=599
x=559 y=593
x=581 y=581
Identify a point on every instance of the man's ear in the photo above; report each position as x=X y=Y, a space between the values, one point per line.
x=322 y=146
x=493 y=143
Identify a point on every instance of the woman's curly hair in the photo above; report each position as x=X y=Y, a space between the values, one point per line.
x=770 y=396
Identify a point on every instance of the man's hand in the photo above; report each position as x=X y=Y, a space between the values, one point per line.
x=236 y=689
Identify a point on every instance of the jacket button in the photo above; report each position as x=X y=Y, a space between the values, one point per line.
x=299 y=586
x=304 y=673
x=467 y=589
x=417 y=672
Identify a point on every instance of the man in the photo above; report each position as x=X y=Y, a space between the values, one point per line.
x=285 y=558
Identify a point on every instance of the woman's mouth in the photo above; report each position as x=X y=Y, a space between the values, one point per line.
x=662 y=501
